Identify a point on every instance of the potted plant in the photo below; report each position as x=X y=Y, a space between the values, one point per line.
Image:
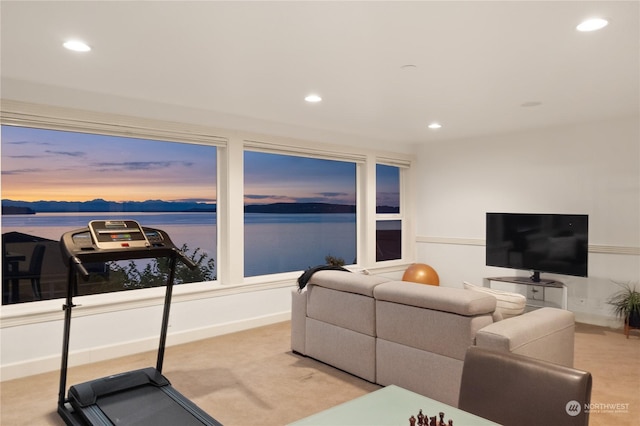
x=626 y=305
x=333 y=260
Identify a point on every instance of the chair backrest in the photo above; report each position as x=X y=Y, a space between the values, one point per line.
x=35 y=265
x=515 y=390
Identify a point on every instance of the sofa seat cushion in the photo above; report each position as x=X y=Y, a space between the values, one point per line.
x=446 y=299
x=347 y=281
x=508 y=304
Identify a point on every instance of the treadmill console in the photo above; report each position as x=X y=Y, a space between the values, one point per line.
x=111 y=234
x=113 y=240
x=154 y=237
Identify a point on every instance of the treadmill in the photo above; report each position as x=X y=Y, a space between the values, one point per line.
x=139 y=397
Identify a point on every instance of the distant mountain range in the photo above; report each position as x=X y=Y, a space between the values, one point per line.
x=100 y=206
x=299 y=208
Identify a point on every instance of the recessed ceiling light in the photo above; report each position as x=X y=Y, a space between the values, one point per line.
x=435 y=126
x=77 y=46
x=313 y=98
x=593 y=24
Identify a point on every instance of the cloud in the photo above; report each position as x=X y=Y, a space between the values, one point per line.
x=139 y=165
x=20 y=171
x=388 y=199
x=264 y=197
x=67 y=153
x=321 y=200
x=332 y=194
x=26 y=156
x=26 y=142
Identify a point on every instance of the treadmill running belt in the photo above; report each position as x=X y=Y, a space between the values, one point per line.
x=146 y=405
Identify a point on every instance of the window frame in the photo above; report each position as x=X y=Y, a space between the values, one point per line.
x=404 y=168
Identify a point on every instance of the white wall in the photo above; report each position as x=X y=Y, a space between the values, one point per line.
x=589 y=169
x=116 y=324
x=31 y=348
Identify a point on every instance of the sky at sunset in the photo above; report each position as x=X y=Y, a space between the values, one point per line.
x=64 y=166
x=273 y=178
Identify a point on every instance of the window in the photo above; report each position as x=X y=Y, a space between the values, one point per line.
x=69 y=178
x=300 y=212
x=388 y=218
x=285 y=205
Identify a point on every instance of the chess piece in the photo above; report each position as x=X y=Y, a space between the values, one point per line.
x=441 y=419
x=420 y=418
x=433 y=421
x=450 y=422
x=412 y=421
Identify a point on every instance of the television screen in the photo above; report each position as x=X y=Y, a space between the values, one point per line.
x=553 y=243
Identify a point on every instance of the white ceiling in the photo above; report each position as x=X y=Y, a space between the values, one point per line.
x=476 y=62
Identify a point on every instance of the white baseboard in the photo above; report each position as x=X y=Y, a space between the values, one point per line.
x=44 y=365
x=595 y=319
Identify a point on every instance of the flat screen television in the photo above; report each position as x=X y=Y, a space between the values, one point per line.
x=552 y=243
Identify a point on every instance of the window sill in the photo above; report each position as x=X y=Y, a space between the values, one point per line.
x=52 y=310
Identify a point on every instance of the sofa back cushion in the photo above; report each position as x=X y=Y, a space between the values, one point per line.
x=343 y=309
x=347 y=281
x=441 y=320
x=446 y=299
x=439 y=332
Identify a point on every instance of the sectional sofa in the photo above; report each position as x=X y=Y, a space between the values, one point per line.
x=412 y=335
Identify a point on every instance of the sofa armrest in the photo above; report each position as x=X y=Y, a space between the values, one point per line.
x=546 y=334
x=298 y=320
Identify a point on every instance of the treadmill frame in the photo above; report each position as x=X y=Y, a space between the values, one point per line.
x=74 y=259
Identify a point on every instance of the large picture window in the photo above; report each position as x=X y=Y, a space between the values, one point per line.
x=300 y=212
x=57 y=181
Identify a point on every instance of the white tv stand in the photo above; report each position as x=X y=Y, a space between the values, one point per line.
x=542 y=284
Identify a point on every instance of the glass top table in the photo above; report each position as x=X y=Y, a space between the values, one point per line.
x=389 y=406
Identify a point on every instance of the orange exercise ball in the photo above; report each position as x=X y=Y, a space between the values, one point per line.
x=422 y=274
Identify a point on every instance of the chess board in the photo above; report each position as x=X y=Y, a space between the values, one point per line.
x=391 y=405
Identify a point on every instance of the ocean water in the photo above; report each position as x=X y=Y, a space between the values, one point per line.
x=273 y=242
x=292 y=242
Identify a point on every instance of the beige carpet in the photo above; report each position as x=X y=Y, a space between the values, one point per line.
x=252 y=378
